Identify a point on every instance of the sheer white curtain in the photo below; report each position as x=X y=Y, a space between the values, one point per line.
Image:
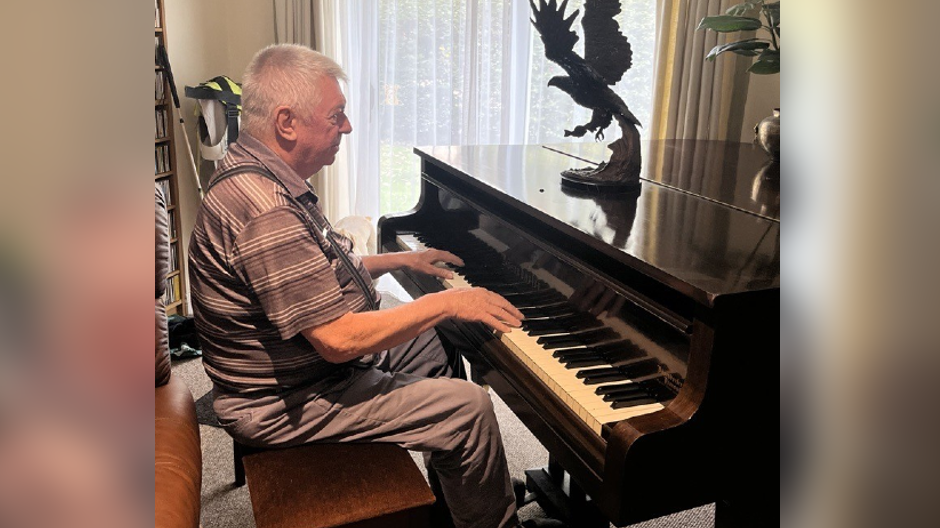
x=474 y=72
x=360 y=47
x=451 y=73
x=445 y=72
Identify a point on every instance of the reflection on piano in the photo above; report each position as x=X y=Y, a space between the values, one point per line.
x=645 y=362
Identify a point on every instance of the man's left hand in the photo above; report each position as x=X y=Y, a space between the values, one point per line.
x=428 y=260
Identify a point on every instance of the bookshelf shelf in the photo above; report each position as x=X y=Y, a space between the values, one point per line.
x=165 y=174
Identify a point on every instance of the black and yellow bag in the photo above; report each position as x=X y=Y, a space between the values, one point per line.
x=218 y=115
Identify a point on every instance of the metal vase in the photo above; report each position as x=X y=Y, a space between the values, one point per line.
x=768 y=134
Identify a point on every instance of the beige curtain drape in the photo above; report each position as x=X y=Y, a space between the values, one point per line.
x=294 y=22
x=695 y=99
x=315 y=23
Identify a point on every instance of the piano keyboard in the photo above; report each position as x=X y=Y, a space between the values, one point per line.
x=598 y=374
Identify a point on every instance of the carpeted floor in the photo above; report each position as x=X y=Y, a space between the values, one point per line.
x=225 y=506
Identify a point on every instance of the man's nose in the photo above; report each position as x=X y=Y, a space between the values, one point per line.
x=346 y=128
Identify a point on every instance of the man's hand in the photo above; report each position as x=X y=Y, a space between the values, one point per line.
x=480 y=305
x=424 y=262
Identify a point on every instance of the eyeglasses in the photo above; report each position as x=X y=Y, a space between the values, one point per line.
x=337 y=118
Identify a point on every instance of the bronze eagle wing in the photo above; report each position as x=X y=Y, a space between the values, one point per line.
x=606 y=49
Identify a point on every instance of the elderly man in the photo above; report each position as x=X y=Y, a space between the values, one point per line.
x=292 y=341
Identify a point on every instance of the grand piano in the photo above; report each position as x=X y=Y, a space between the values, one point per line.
x=647 y=363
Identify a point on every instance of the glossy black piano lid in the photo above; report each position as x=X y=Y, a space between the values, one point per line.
x=696 y=245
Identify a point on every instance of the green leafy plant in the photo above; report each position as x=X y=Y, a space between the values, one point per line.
x=735 y=19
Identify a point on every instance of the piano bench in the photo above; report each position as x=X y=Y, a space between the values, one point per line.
x=334 y=485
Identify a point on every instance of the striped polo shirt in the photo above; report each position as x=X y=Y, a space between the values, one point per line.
x=261 y=271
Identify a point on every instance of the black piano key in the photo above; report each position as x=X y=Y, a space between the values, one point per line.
x=624 y=357
x=508 y=283
x=582 y=363
x=632 y=403
x=642 y=368
x=537 y=298
x=515 y=294
x=546 y=330
x=627 y=396
x=583 y=359
x=560 y=341
x=555 y=309
x=622 y=350
x=588 y=337
x=578 y=320
x=575 y=353
x=624 y=372
x=636 y=392
x=648 y=384
x=637 y=362
x=596 y=335
x=606 y=389
x=594 y=379
x=547 y=327
x=609 y=370
x=660 y=390
x=547 y=310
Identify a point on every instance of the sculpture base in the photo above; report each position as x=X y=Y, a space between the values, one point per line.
x=588 y=179
x=620 y=174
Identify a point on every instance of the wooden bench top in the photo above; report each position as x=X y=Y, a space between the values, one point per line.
x=332 y=485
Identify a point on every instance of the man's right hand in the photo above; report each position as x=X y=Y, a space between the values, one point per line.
x=480 y=305
x=354 y=335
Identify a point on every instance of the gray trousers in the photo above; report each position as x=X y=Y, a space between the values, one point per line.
x=406 y=398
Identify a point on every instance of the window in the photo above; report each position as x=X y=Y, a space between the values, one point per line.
x=459 y=73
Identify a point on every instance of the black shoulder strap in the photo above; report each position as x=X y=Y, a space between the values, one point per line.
x=311 y=223
x=245 y=169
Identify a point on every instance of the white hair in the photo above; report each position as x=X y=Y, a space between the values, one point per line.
x=283 y=75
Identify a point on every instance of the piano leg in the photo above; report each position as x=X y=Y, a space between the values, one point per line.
x=744 y=514
x=725 y=516
x=566 y=503
x=556 y=472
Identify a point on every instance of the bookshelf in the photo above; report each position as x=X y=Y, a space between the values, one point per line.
x=165 y=171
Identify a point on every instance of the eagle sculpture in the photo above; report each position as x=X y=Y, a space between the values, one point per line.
x=607 y=56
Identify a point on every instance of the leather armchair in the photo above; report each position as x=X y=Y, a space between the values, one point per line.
x=178 y=455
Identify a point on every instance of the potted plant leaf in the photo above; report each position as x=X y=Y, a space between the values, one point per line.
x=734 y=20
x=739 y=18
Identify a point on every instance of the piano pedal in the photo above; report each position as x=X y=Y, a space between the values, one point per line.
x=523 y=495
x=561 y=498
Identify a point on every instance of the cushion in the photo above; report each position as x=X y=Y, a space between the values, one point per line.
x=162 y=267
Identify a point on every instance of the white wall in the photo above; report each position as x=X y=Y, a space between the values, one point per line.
x=206 y=38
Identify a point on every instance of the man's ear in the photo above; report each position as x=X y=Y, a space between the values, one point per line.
x=285 y=123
